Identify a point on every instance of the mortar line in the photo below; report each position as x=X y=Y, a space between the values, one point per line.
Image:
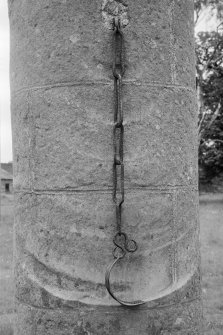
x=158 y=189
x=105 y=83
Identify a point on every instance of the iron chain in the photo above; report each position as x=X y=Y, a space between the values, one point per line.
x=120 y=240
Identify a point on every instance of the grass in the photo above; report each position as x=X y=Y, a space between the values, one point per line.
x=6 y=274
x=211 y=219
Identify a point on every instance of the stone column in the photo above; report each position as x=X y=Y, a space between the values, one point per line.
x=62 y=118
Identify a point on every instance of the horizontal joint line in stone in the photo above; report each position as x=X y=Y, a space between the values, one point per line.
x=157 y=84
x=109 y=308
x=105 y=83
x=155 y=189
x=65 y=84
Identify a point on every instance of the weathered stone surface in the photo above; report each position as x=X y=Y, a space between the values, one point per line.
x=74 y=125
x=62 y=117
x=67 y=41
x=114 y=8
x=179 y=319
x=64 y=245
x=183 y=42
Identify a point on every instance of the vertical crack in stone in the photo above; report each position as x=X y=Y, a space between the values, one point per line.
x=172 y=43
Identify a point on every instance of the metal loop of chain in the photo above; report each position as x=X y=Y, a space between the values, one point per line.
x=121 y=241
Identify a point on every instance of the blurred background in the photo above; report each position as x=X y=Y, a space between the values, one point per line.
x=208 y=17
